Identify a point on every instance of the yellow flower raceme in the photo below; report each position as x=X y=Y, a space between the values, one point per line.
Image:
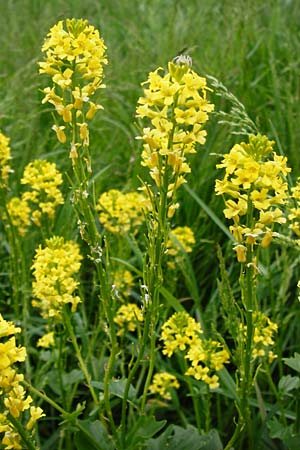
x=254 y=189
x=74 y=59
x=176 y=107
x=263 y=339
x=127 y=318
x=122 y=212
x=5 y=157
x=43 y=180
x=180 y=237
x=162 y=384
x=206 y=356
x=19 y=213
x=54 y=268
x=15 y=398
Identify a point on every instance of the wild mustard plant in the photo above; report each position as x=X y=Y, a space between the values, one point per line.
x=175 y=109
x=255 y=192
x=18 y=428
x=74 y=59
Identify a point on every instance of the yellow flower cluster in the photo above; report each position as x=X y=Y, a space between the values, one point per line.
x=54 y=268
x=122 y=212
x=40 y=199
x=5 y=157
x=182 y=333
x=181 y=238
x=254 y=188
x=162 y=384
x=15 y=400
x=43 y=179
x=19 y=213
x=75 y=55
x=264 y=330
x=127 y=318
x=175 y=104
x=294 y=211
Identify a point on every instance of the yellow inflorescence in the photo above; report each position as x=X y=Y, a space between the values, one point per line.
x=127 y=318
x=19 y=213
x=43 y=179
x=162 y=384
x=176 y=106
x=5 y=157
x=254 y=189
x=182 y=333
x=180 y=238
x=74 y=58
x=264 y=330
x=15 y=398
x=54 y=268
x=122 y=212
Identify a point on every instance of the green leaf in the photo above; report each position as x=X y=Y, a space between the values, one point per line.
x=278 y=430
x=228 y=385
x=144 y=428
x=92 y=436
x=179 y=438
x=72 y=377
x=288 y=383
x=293 y=362
x=176 y=305
x=117 y=388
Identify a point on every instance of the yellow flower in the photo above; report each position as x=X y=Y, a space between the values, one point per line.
x=54 y=268
x=35 y=414
x=127 y=318
x=43 y=179
x=19 y=214
x=74 y=58
x=253 y=185
x=5 y=157
x=175 y=104
x=162 y=384
x=46 y=341
x=179 y=332
x=263 y=338
x=14 y=397
x=122 y=212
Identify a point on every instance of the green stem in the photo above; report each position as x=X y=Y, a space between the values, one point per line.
x=27 y=440
x=69 y=327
